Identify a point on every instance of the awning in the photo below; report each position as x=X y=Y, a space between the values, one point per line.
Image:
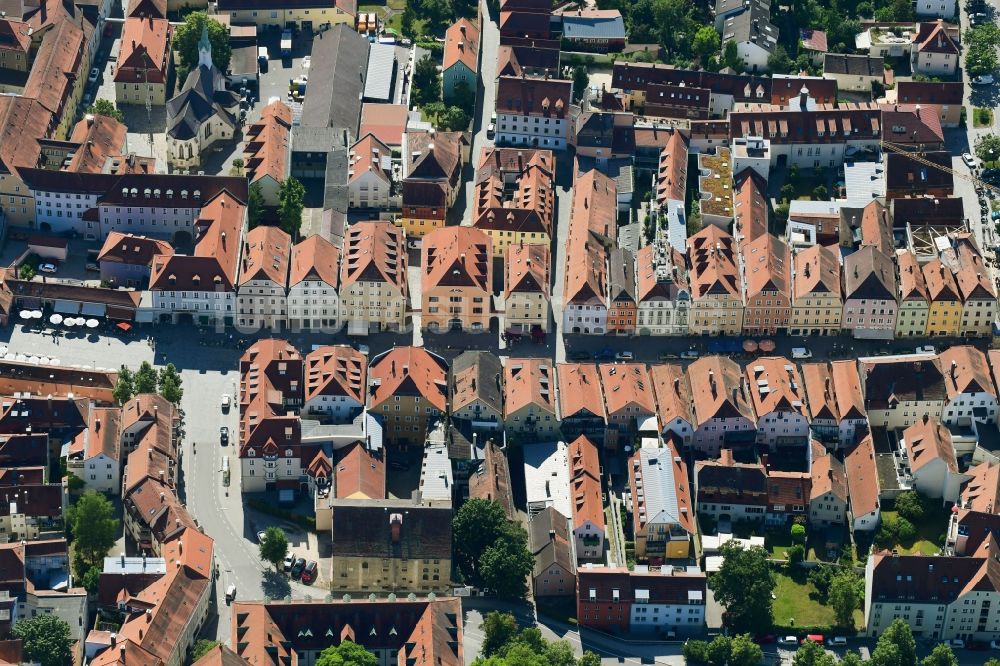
x=114 y=312
x=125 y=326
x=67 y=307
x=93 y=309
x=357 y=327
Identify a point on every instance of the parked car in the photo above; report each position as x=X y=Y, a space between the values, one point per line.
x=92 y=267
x=491 y=130
x=289 y=561
x=983 y=80
x=363 y=349
x=764 y=639
x=689 y=355
x=955 y=643
x=788 y=640
x=801 y=352
x=296 y=571
x=836 y=641
x=230 y=594
x=306 y=62
x=226 y=402
x=47 y=268
x=926 y=349
x=94 y=75
x=224 y=435
x=969 y=160
x=624 y=356
x=995 y=645
x=309 y=572
x=604 y=355
x=813 y=638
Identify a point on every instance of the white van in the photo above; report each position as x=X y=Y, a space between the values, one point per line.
x=230 y=594
x=801 y=352
x=262 y=53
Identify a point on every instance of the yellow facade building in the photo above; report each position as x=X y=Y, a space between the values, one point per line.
x=816 y=294
x=944 y=316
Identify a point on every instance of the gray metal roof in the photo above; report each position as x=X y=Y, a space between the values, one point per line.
x=659 y=486
x=339 y=66
x=587 y=27
x=381 y=73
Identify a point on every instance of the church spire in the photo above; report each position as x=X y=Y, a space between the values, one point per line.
x=205 y=48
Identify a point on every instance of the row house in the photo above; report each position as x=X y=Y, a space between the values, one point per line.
x=662 y=509
x=863 y=487
x=767 y=285
x=828 y=490
x=730 y=490
x=586 y=501
x=550 y=541
x=202 y=286
x=723 y=410
x=629 y=401
x=530 y=399
x=944 y=96
x=869 y=295
x=854 y=72
x=581 y=402
x=125 y=259
x=593 y=227
x=645 y=600
x=476 y=390
x=836 y=405
x=788 y=496
x=30 y=505
x=265 y=152
x=905 y=177
x=675 y=410
x=460 y=62
x=144 y=62
x=456 y=280
x=56 y=78
x=817 y=301
x=514 y=195
x=263 y=282
x=971 y=394
x=527 y=291
x=778 y=399
x=717 y=298
x=533 y=112
x=976 y=515
x=373 y=283
x=914 y=297
x=408 y=392
x=335 y=380
x=944 y=311
x=100 y=459
x=662 y=290
x=749 y=205
x=636 y=79
x=622 y=307
x=369 y=174
x=901 y=390
x=432 y=168
x=492 y=481
x=306 y=15
x=313 y=278
x=931 y=460
x=979 y=294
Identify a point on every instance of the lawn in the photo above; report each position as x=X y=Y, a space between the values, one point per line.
x=796 y=602
x=928 y=530
x=982 y=117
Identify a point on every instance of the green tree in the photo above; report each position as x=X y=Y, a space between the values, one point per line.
x=910 y=505
x=188 y=34
x=94 y=527
x=170 y=384
x=103 y=107
x=506 y=564
x=743 y=585
x=498 y=630
x=462 y=96
x=581 y=79
x=202 y=647
x=26 y=272
x=453 y=119
x=146 y=379
x=475 y=527
x=905 y=531
x=798 y=533
x=238 y=165
x=706 y=42
x=812 y=654
x=348 y=653
x=941 y=655
x=992 y=661
x=852 y=658
x=255 y=205
x=843 y=597
x=437 y=12
x=90 y=579
x=744 y=652
x=406 y=21
x=46 y=639
x=291 y=197
x=589 y=658
x=779 y=62
x=124 y=386
x=719 y=650
x=426 y=85
x=988 y=148
x=895 y=646
x=820 y=193
x=274 y=546
x=731 y=57
x=696 y=652
x=796 y=553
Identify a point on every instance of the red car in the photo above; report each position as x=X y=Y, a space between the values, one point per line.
x=815 y=638
x=309 y=572
x=764 y=639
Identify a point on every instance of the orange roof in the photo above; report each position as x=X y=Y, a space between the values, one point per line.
x=750 y=205
x=658 y=479
x=828 y=477
x=973 y=276
x=654 y=283
x=461 y=44
x=56 y=67
x=103 y=434
x=595 y=206
x=966 y=371
x=191 y=548
x=627 y=385
x=366 y=155
x=374 y=252
x=673 y=393
x=862 y=477
x=336 y=371
x=526 y=269
x=457 y=257
x=16 y=35
x=876 y=228
x=409 y=371
x=386 y=122
x=911 y=278
x=717 y=388
x=528 y=381
x=99 y=138
x=360 y=473
x=315 y=258
x=216 y=251
x=579 y=389
x=136 y=250
x=585 y=483
x=817 y=272
x=672 y=175
x=525 y=207
x=767 y=266
x=266 y=149
x=144 y=51
x=928 y=440
x=266 y=255
x=712 y=254
x=833 y=390
x=982 y=491
x=941 y=285
x=22 y=122
x=783 y=386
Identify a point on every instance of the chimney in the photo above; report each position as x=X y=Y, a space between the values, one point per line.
x=552 y=535
x=926 y=418
x=97 y=425
x=803 y=98
x=163 y=498
x=395 y=526
x=114 y=639
x=711 y=383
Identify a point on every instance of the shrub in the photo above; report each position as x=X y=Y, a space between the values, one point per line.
x=696 y=652
x=906 y=531
x=798 y=533
x=796 y=554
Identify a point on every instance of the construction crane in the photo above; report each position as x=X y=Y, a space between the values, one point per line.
x=916 y=157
